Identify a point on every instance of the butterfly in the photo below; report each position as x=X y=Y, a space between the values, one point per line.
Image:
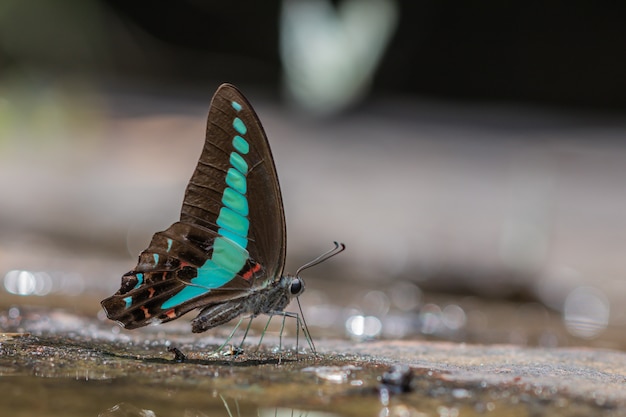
x=226 y=254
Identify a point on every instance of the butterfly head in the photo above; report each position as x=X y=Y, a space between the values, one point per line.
x=293 y=285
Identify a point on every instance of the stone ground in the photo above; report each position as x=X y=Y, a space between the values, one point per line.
x=78 y=366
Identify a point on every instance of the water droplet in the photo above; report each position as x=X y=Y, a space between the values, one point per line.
x=376 y=303
x=586 y=312
x=430 y=318
x=406 y=296
x=453 y=317
x=14 y=313
x=20 y=282
x=363 y=327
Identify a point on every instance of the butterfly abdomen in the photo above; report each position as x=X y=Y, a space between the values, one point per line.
x=217 y=315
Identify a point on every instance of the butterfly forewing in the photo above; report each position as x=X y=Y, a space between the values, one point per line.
x=231 y=235
x=267 y=220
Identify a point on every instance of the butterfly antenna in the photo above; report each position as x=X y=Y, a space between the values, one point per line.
x=339 y=247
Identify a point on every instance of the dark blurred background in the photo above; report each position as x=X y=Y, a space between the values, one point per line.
x=556 y=53
x=467 y=153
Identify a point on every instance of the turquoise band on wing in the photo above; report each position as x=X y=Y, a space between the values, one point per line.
x=238 y=239
x=235 y=201
x=241 y=145
x=229 y=256
x=231 y=220
x=240 y=126
x=229 y=248
x=236 y=106
x=236 y=181
x=238 y=163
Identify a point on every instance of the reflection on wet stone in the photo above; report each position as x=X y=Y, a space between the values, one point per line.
x=127 y=410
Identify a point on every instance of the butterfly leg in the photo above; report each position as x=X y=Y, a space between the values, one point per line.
x=280 y=335
x=307 y=335
x=230 y=336
x=305 y=328
x=300 y=324
x=263 y=332
x=286 y=314
x=246 y=333
x=217 y=315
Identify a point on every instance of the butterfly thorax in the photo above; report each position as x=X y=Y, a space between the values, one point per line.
x=270 y=300
x=278 y=295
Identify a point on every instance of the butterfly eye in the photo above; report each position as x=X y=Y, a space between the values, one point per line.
x=296 y=286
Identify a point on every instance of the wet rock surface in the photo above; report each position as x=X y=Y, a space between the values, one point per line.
x=77 y=366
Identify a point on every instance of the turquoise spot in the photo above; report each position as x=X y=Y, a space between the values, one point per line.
x=212 y=275
x=236 y=105
x=228 y=256
x=227 y=259
x=238 y=239
x=238 y=163
x=240 y=126
x=156 y=258
x=241 y=144
x=232 y=199
x=236 y=180
x=185 y=294
x=128 y=301
x=169 y=244
x=228 y=219
x=139 y=280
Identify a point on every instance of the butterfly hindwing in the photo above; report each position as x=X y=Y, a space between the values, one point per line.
x=231 y=235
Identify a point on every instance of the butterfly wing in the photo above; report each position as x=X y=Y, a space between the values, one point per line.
x=230 y=239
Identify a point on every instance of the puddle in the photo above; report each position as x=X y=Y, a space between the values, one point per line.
x=73 y=374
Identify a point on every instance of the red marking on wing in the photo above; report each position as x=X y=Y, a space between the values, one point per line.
x=151 y=291
x=145 y=311
x=171 y=313
x=250 y=272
